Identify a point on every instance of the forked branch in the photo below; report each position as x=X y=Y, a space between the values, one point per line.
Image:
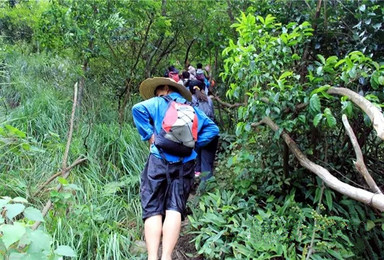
x=359 y=164
x=373 y=112
x=373 y=199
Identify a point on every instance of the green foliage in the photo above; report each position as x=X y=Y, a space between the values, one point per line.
x=228 y=226
x=260 y=62
x=20 y=22
x=262 y=66
x=281 y=60
x=19 y=240
x=98 y=212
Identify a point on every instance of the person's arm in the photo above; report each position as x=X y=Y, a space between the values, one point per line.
x=151 y=140
x=143 y=121
x=207 y=132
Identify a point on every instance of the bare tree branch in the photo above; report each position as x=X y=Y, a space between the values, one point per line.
x=65 y=158
x=128 y=84
x=62 y=172
x=225 y=104
x=369 y=198
x=359 y=164
x=373 y=112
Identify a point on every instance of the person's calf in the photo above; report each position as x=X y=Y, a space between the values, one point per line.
x=152 y=230
x=171 y=232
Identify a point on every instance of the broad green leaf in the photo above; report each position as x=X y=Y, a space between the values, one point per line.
x=270 y=199
x=331 y=120
x=331 y=59
x=12 y=233
x=321 y=58
x=33 y=214
x=295 y=57
x=65 y=251
x=314 y=103
x=62 y=180
x=39 y=241
x=4 y=201
x=319 y=70
x=13 y=210
x=320 y=89
x=285 y=74
x=381 y=80
x=25 y=256
x=15 y=131
x=339 y=63
x=347 y=107
x=370 y=225
x=26 y=146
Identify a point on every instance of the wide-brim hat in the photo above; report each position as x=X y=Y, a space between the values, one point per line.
x=148 y=86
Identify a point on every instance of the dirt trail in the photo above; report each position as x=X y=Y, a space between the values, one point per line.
x=185 y=249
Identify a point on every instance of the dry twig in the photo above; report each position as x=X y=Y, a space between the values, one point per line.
x=65 y=157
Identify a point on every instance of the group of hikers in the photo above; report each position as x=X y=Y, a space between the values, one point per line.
x=177 y=119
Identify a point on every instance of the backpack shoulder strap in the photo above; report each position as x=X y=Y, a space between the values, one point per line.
x=167 y=98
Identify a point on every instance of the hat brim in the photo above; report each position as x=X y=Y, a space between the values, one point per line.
x=148 y=86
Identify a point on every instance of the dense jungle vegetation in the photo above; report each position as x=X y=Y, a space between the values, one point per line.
x=299 y=95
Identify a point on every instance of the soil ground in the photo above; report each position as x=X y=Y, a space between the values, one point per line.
x=185 y=249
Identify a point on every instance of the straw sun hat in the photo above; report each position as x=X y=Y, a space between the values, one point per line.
x=148 y=86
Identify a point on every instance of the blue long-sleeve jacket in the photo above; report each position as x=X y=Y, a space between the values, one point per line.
x=149 y=114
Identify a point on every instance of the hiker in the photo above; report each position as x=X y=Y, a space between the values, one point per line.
x=185 y=76
x=205 y=155
x=201 y=75
x=173 y=73
x=191 y=70
x=168 y=175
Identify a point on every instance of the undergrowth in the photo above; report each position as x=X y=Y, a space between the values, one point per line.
x=98 y=211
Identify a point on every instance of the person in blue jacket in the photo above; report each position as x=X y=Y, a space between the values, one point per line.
x=167 y=179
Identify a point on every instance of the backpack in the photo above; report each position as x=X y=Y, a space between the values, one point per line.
x=204 y=106
x=178 y=133
x=200 y=77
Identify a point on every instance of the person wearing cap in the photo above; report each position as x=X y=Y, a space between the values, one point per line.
x=173 y=73
x=167 y=178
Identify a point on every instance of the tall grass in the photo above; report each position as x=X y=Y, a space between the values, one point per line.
x=98 y=213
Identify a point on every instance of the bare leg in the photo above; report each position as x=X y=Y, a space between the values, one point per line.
x=171 y=232
x=152 y=231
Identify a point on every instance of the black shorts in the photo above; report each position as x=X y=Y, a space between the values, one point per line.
x=159 y=193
